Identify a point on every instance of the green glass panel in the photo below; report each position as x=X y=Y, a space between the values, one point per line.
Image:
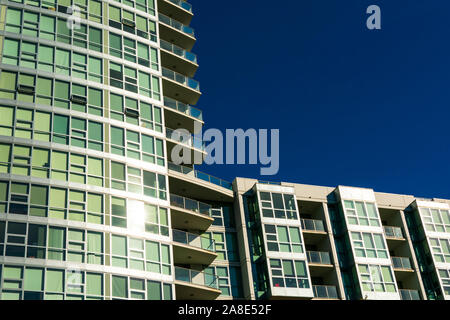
x=34 y=279
x=54 y=280
x=119 y=287
x=94 y=284
x=153 y=290
x=119 y=245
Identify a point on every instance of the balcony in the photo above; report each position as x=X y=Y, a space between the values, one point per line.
x=178 y=86
x=393 y=233
x=175 y=137
x=317 y=258
x=310 y=225
x=189 y=214
x=195 y=285
x=177 y=58
x=192 y=183
x=325 y=292
x=402 y=264
x=180 y=9
x=185 y=138
x=182 y=115
x=406 y=294
x=189 y=248
x=176 y=32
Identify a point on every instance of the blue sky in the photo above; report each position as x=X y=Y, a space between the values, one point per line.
x=354 y=107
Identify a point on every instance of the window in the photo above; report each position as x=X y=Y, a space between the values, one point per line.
x=444 y=275
x=12 y=283
x=56 y=243
x=85 y=247
x=283 y=238
x=131 y=253
x=37 y=56
x=36 y=242
x=156 y=220
x=436 y=220
x=128 y=143
x=276 y=205
x=133 y=51
x=33 y=283
x=132 y=23
x=223 y=216
x=370 y=245
x=8 y=85
x=376 y=278
x=154 y=185
x=225 y=244
x=149 y=116
x=53 y=164
x=2 y=236
x=229 y=280
x=139 y=289
x=289 y=273
x=361 y=213
x=440 y=249
x=15 y=239
x=43 y=26
x=130 y=79
x=60 y=94
x=157 y=257
x=147 y=6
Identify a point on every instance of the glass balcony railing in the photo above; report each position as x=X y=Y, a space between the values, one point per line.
x=401 y=263
x=325 y=292
x=185 y=138
x=176 y=24
x=191 y=205
x=183 y=108
x=270 y=182
x=312 y=225
x=196 y=277
x=181 y=79
x=193 y=240
x=407 y=294
x=178 y=51
x=318 y=257
x=393 y=232
x=200 y=175
x=183 y=4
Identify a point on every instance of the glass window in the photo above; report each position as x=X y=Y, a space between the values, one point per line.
x=119 y=287
x=34 y=279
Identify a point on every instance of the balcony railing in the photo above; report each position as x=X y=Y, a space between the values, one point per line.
x=318 y=257
x=401 y=263
x=176 y=24
x=183 y=108
x=196 y=277
x=185 y=138
x=312 y=225
x=200 y=175
x=182 y=79
x=178 y=51
x=325 y=292
x=407 y=294
x=193 y=240
x=183 y=4
x=191 y=205
x=393 y=232
x=270 y=182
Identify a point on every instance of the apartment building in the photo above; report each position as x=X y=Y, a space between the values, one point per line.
x=312 y=242
x=92 y=206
